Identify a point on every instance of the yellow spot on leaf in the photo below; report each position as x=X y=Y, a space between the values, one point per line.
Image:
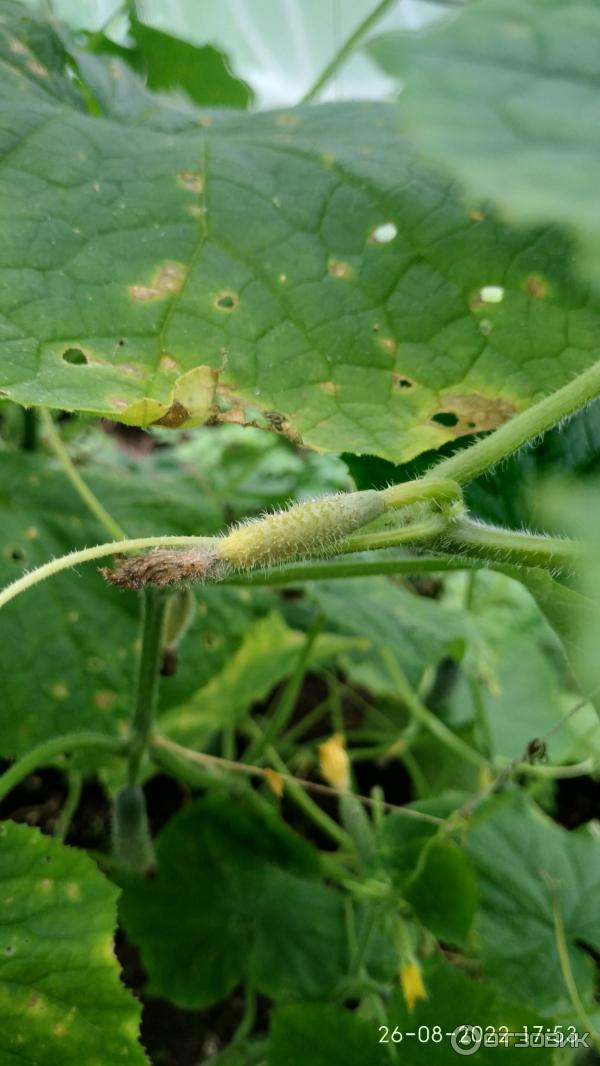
x=37 y=69
x=388 y=344
x=190 y=402
x=73 y=891
x=286 y=120
x=31 y=533
x=191 y=182
x=59 y=690
x=473 y=413
x=104 y=699
x=329 y=387
x=166 y=282
x=339 y=269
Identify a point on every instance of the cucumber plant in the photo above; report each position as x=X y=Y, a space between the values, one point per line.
x=299 y=595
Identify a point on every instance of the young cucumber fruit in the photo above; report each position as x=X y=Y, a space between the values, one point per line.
x=304 y=529
x=131 y=840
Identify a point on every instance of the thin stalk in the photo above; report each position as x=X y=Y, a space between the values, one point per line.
x=555 y=773
x=75 y=784
x=285 y=707
x=479 y=708
x=508 y=546
x=358 y=956
x=346 y=49
x=443 y=491
x=42 y=755
x=30 y=429
x=337 y=711
x=427 y=719
x=298 y=794
x=429 y=529
x=83 y=491
x=524 y=427
x=294 y=573
x=86 y=555
x=565 y=963
x=307 y=722
x=247 y=1021
x=163 y=744
x=153 y=616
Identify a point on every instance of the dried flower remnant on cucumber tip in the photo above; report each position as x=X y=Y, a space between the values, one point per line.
x=310 y=528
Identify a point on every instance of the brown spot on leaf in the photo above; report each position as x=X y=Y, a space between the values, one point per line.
x=174 y=417
x=329 y=387
x=104 y=699
x=37 y=69
x=388 y=344
x=535 y=285
x=167 y=281
x=167 y=363
x=472 y=413
x=339 y=269
x=191 y=182
x=286 y=120
x=476 y=216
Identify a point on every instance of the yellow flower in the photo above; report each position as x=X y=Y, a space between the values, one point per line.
x=334 y=762
x=411 y=980
x=274 y=781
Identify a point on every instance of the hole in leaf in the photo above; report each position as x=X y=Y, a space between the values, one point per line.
x=404 y=383
x=17 y=554
x=385 y=233
x=491 y=294
x=75 y=356
x=226 y=301
x=445 y=418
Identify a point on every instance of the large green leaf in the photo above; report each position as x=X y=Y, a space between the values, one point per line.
x=507 y=96
x=61 y=1001
x=301 y=264
x=395 y=624
x=321 y=1035
x=236 y=897
x=453 y=1002
x=524 y=863
x=202 y=73
x=267 y=654
x=67 y=648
